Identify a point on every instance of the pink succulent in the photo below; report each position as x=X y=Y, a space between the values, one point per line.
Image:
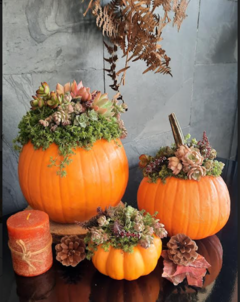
x=193 y=157
x=182 y=151
x=174 y=164
x=63 y=89
x=196 y=172
x=85 y=94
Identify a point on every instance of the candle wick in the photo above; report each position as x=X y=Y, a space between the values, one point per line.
x=28 y=216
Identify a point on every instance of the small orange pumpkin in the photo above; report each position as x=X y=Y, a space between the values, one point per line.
x=97 y=177
x=119 y=265
x=196 y=208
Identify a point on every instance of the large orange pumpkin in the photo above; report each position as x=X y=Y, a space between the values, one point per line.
x=119 y=265
x=96 y=177
x=196 y=208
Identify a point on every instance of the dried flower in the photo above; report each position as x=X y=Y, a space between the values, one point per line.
x=174 y=164
x=196 y=172
x=204 y=146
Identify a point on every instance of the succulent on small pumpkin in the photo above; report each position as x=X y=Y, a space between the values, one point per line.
x=43 y=90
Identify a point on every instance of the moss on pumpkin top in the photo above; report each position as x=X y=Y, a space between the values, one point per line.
x=70 y=117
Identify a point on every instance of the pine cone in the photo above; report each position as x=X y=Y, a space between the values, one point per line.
x=182 y=250
x=70 y=251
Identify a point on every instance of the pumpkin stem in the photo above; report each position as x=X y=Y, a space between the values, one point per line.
x=176 y=130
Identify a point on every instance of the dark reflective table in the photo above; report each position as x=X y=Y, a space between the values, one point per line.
x=84 y=284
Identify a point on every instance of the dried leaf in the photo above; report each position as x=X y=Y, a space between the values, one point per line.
x=122 y=70
x=194 y=272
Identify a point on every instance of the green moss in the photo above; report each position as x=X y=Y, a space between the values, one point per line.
x=67 y=138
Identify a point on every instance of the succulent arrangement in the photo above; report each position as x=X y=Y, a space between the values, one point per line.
x=191 y=160
x=121 y=227
x=72 y=116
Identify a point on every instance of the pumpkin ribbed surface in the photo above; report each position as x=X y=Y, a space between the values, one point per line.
x=119 y=265
x=96 y=177
x=196 y=208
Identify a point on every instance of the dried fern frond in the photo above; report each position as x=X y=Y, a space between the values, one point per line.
x=180 y=13
x=136 y=29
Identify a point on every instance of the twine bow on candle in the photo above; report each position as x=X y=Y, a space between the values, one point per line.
x=26 y=255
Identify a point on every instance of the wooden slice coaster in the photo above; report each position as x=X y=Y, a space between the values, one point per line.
x=58 y=230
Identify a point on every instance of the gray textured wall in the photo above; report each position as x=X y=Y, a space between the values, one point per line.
x=49 y=40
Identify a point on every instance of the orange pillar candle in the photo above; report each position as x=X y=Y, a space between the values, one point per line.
x=30 y=242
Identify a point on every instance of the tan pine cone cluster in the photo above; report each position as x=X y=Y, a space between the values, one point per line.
x=182 y=250
x=70 y=251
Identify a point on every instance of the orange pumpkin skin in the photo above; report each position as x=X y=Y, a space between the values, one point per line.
x=119 y=265
x=211 y=249
x=96 y=177
x=196 y=208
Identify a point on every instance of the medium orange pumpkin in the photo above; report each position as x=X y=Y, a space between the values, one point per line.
x=96 y=177
x=119 y=265
x=196 y=208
